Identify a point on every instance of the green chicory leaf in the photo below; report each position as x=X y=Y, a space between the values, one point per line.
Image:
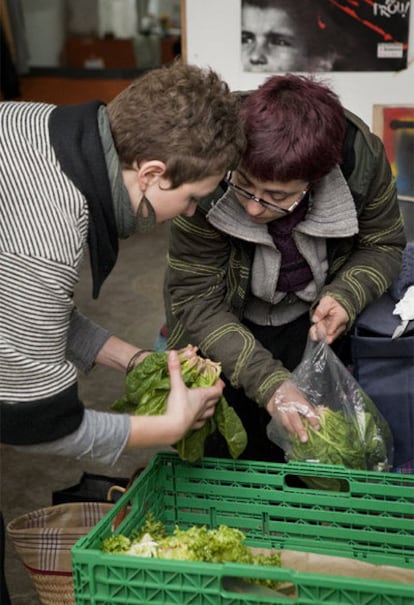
x=147 y=388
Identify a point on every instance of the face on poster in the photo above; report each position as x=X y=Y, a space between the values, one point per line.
x=324 y=35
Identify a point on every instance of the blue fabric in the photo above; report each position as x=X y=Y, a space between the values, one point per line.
x=384 y=367
x=385 y=370
x=378 y=317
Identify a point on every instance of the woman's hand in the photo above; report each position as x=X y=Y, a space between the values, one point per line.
x=288 y=406
x=329 y=320
x=186 y=409
x=189 y=408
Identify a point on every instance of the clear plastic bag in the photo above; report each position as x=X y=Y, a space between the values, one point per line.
x=352 y=431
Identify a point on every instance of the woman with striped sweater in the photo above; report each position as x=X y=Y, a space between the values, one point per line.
x=82 y=176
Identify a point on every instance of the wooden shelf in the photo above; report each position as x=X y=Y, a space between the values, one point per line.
x=105 y=53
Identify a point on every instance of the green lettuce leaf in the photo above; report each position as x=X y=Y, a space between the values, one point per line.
x=147 y=387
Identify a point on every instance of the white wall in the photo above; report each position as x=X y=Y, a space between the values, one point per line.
x=213 y=39
x=45 y=31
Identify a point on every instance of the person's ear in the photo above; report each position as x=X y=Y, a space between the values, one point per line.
x=149 y=172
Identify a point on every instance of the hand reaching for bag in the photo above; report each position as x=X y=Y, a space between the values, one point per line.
x=288 y=406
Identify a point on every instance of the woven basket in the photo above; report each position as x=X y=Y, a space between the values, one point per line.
x=43 y=540
x=53 y=589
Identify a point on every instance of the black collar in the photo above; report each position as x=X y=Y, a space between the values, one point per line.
x=74 y=135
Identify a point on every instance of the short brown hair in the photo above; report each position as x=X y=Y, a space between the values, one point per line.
x=182 y=115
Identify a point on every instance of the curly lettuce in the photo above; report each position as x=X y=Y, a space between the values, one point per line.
x=221 y=545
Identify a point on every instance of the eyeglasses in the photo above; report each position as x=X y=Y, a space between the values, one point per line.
x=264 y=203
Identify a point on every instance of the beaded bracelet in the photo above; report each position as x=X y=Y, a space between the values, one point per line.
x=135 y=356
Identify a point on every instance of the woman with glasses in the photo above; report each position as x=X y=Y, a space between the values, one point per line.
x=297 y=240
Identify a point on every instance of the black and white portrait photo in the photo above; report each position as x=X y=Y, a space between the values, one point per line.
x=323 y=35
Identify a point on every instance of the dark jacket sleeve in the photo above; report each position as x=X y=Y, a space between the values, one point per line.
x=363 y=269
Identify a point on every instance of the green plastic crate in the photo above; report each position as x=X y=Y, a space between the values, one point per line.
x=373 y=521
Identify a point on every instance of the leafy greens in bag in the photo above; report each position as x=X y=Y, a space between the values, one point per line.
x=352 y=431
x=147 y=387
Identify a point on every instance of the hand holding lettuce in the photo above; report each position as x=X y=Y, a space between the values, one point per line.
x=146 y=392
x=351 y=431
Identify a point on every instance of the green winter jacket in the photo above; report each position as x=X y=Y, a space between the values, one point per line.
x=208 y=276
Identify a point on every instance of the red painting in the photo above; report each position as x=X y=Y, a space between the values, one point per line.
x=395 y=126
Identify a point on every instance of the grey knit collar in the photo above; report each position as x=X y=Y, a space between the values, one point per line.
x=124 y=215
x=331 y=213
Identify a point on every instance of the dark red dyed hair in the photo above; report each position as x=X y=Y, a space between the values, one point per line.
x=295 y=128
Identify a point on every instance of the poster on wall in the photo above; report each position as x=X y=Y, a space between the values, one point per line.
x=324 y=35
x=395 y=127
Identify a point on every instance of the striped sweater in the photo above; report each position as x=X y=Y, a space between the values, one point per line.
x=43 y=233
